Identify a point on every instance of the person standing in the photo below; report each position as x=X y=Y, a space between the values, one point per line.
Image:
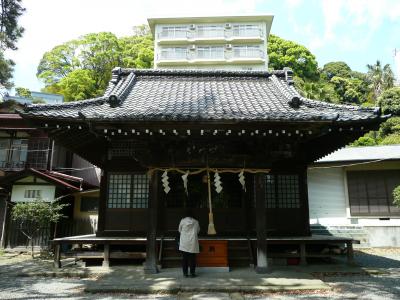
x=189 y=229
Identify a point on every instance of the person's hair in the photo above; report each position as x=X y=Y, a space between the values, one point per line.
x=189 y=212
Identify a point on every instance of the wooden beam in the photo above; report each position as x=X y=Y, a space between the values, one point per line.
x=106 y=256
x=150 y=265
x=102 y=203
x=261 y=226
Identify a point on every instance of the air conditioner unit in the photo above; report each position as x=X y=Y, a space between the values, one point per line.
x=228 y=25
x=192 y=47
x=192 y=27
x=228 y=46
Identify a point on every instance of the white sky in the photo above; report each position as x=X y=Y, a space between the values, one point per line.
x=49 y=23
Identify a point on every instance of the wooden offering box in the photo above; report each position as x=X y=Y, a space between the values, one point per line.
x=213 y=254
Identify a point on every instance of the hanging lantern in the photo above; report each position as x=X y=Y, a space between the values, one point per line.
x=242 y=180
x=165 y=182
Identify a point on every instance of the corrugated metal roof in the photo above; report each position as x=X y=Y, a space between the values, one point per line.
x=363 y=154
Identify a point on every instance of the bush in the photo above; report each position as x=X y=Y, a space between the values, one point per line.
x=396 y=196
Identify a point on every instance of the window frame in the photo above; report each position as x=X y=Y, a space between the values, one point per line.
x=371 y=201
x=280 y=199
x=131 y=202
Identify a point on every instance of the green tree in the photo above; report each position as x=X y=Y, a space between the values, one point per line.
x=336 y=68
x=10 y=31
x=283 y=53
x=396 y=196
x=67 y=68
x=350 y=90
x=36 y=215
x=389 y=101
x=380 y=78
x=6 y=71
x=23 y=92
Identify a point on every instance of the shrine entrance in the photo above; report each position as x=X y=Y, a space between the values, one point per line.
x=231 y=207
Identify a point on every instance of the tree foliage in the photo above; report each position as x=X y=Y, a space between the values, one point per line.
x=10 y=31
x=6 y=71
x=389 y=101
x=380 y=78
x=38 y=215
x=396 y=196
x=81 y=68
x=283 y=53
x=338 y=69
x=23 y=92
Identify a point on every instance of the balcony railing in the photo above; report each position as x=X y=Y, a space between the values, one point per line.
x=213 y=54
x=201 y=33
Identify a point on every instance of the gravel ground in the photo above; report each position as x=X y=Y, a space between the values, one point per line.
x=380 y=286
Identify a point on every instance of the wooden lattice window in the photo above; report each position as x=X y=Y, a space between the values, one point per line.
x=128 y=191
x=282 y=191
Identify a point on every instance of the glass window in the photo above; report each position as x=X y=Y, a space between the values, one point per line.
x=210 y=31
x=246 y=30
x=282 y=191
x=371 y=192
x=174 y=53
x=4 y=151
x=173 y=32
x=89 y=204
x=128 y=191
x=210 y=52
x=247 y=51
x=19 y=152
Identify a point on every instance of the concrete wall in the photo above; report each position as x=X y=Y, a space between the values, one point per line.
x=388 y=236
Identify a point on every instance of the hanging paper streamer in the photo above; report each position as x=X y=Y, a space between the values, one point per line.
x=242 y=180
x=164 y=180
x=217 y=183
x=185 y=181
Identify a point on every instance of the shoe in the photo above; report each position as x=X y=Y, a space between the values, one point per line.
x=193 y=275
x=186 y=275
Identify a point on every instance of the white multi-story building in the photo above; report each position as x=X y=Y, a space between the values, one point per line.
x=224 y=42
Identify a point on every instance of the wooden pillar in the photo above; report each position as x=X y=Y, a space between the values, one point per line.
x=150 y=265
x=102 y=204
x=303 y=254
x=57 y=254
x=106 y=256
x=350 y=253
x=261 y=226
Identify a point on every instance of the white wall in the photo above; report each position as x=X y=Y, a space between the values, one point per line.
x=326 y=194
x=18 y=192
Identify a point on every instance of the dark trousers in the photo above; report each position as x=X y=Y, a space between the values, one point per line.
x=188 y=261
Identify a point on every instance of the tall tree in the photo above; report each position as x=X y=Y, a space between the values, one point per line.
x=81 y=68
x=380 y=78
x=10 y=32
x=283 y=53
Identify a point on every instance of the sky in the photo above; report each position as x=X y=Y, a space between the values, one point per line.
x=358 y=32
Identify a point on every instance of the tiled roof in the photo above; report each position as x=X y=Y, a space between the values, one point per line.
x=197 y=95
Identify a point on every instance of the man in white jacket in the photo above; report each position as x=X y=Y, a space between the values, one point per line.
x=189 y=243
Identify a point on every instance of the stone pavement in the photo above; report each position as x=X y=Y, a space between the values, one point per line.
x=132 y=280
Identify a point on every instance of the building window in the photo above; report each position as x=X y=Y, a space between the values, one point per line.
x=172 y=53
x=210 y=52
x=173 y=32
x=243 y=30
x=210 y=31
x=128 y=191
x=13 y=153
x=33 y=194
x=282 y=191
x=89 y=204
x=371 y=192
x=247 y=51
